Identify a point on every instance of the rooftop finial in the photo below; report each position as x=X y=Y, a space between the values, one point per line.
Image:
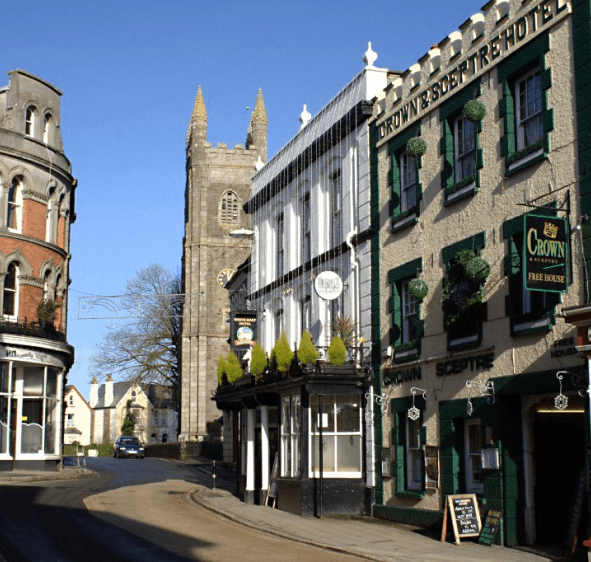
x=369 y=57
x=304 y=117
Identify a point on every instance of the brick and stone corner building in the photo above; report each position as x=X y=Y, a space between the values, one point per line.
x=218 y=184
x=36 y=210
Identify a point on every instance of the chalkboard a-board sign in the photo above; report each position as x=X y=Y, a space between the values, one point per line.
x=490 y=527
x=465 y=517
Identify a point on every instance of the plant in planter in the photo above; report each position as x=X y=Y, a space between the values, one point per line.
x=307 y=351
x=416 y=146
x=474 y=111
x=418 y=289
x=283 y=355
x=258 y=363
x=221 y=369
x=462 y=291
x=337 y=352
x=46 y=311
x=233 y=368
x=344 y=328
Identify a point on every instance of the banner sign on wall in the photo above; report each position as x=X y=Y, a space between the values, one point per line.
x=545 y=254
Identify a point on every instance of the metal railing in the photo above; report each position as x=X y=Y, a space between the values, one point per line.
x=34 y=328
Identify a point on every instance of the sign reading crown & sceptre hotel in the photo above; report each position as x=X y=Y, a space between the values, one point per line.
x=545 y=254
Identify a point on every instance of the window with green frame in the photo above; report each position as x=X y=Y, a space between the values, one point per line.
x=525 y=81
x=403 y=178
x=407 y=326
x=460 y=147
x=529 y=311
x=409 y=438
x=465 y=330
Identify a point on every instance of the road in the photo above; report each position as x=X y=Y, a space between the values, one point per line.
x=48 y=521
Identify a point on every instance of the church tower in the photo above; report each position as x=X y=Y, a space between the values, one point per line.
x=218 y=184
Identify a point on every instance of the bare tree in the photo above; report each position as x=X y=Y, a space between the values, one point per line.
x=146 y=348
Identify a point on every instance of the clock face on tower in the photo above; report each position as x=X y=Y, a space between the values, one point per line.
x=224 y=276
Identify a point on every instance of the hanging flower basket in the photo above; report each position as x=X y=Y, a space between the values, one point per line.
x=474 y=111
x=418 y=289
x=416 y=146
x=478 y=268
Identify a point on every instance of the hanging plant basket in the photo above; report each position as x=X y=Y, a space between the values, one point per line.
x=474 y=111
x=416 y=146
x=478 y=268
x=418 y=289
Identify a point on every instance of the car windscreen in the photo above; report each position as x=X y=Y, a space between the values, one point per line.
x=130 y=441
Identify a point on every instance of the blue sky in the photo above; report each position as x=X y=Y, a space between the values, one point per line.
x=129 y=72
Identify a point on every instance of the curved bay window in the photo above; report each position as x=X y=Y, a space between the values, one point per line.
x=339 y=419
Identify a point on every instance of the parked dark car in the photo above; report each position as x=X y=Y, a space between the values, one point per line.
x=126 y=446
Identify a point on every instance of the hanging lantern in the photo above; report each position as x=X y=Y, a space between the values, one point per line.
x=418 y=289
x=474 y=111
x=416 y=146
x=478 y=268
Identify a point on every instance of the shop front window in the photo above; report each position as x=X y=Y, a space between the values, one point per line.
x=341 y=435
x=4 y=407
x=473 y=448
x=290 y=435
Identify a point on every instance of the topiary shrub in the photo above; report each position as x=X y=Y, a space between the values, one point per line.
x=258 y=362
x=221 y=369
x=416 y=146
x=233 y=368
x=474 y=111
x=337 y=352
x=307 y=351
x=283 y=354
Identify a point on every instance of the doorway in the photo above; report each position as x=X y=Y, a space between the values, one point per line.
x=558 y=456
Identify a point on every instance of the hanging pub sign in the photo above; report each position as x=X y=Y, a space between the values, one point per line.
x=545 y=254
x=244 y=329
x=328 y=285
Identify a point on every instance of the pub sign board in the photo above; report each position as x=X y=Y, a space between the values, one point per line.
x=243 y=332
x=545 y=254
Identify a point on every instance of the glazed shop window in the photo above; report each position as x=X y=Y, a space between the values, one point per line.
x=472 y=456
x=414 y=454
x=529 y=311
x=290 y=435
x=407 y=327
x=408 y=440
x=342 y=441
x=527 y=121
x=403 y=179
x=40 y=411
x=459 y=145
x=5 y=406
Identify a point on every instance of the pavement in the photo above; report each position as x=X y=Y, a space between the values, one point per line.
x=365 y=537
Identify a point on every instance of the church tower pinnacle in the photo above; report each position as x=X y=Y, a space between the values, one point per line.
x=257 y=130
x=198 y=122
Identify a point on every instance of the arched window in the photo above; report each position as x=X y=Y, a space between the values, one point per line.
x=10 y=301
x=30 y=121
x=229 y=208
x=13 y=205
x=46 y=128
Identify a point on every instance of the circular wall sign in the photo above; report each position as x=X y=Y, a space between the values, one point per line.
x=328 y=285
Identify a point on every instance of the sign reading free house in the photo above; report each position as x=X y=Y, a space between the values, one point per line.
x=545 y=254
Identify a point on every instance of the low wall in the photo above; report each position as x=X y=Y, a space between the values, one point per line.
x=163 y=450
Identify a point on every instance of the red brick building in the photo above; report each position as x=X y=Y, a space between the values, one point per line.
x=36 y=210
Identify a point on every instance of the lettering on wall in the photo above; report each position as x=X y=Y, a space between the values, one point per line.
x=399 y=376
x=472 y=363
x=503 y=42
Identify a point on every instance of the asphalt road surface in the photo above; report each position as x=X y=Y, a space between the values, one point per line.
x=48 y=521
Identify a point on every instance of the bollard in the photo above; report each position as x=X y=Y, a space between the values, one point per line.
x=213 y=476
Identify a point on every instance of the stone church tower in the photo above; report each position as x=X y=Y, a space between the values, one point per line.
x=218 y=184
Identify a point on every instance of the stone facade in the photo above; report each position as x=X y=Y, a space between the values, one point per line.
x=218 y=184
x=36 y=211
x=483 y=391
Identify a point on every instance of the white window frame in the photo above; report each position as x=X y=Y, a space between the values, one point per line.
x=13 y=291
x=30 y=115
x=464 y=148
x=472 y=456
x=413 y=454
x=280 y=245
x=408 y=181
x=336 y=196
x=7 y=395
x=528 y=106
x=15 y=204
x=46 y=127
x=279 y=319
x=305 y=313
x=291 y=416
x=306 y=227
x=409 y=312
x=329 y=411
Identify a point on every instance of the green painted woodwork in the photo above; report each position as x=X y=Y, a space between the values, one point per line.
x=409 y=516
